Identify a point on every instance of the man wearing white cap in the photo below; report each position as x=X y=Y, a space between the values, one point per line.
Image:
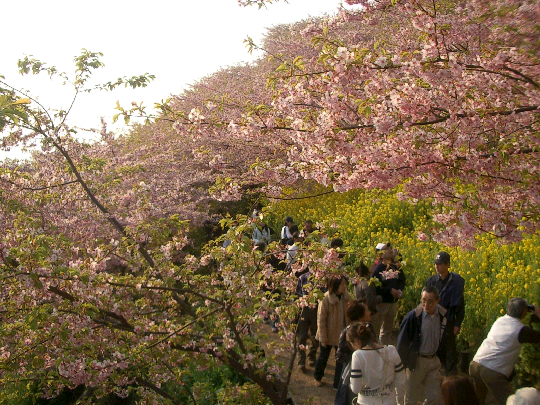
x=379 y=251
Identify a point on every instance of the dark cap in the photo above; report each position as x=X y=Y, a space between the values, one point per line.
x=442 y=257
x=289 y=219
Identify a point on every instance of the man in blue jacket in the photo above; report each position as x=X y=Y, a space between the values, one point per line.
x=450 y=286
x=421 y=348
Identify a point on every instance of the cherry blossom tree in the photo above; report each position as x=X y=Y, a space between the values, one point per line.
x=398 y=93
x=439 y=96
x=97 y=288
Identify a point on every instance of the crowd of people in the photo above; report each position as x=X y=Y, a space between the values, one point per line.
x=369 y=370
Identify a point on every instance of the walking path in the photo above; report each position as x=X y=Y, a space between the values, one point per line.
x=303 y=388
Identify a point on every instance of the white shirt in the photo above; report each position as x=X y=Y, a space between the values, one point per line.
x=368 y=367
x=291 y=253
x=285 y=233
x=500 y=349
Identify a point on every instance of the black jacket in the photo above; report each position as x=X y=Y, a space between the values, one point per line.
x=390 y=276
x=451 y=296
x=410 y=338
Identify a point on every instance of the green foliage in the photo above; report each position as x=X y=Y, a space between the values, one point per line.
x=16 y=112
x=29 y=64
x=247 y=393
x=30 y=394
x=85 y=63
x=10 y=108
x=258 y=3
x=218 y=384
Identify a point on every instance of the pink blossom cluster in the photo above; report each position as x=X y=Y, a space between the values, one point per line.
x=448 y=107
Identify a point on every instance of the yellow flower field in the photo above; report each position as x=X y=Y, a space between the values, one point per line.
x=493 y=273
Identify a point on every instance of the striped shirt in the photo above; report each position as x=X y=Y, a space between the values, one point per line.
x=377 y=375
x=431 y=333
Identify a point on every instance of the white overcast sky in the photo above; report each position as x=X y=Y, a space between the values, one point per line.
x=179 y=41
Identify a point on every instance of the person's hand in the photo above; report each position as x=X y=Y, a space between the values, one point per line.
x=396 y=293
x=324 y=345
x=456 y=330
x=536 y=311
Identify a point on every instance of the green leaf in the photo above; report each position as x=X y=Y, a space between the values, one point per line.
x=283 y=67
x=22 y=101
x=367 y=111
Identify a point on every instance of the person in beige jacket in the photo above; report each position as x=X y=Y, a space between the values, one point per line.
x=330 y=322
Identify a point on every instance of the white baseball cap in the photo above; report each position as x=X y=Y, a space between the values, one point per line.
x=524 y=396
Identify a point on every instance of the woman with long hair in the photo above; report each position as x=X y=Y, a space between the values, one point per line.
x=377 y=374
x=330 y=323
x=358 y=311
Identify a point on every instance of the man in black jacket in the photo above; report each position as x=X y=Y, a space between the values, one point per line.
x=450 y=286
x=392 y=278
x=420 y=342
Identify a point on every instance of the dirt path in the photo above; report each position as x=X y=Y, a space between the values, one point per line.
x=302 y=386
